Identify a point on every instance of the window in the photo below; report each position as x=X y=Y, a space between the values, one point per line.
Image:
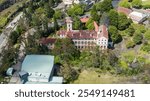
x=78 y=42
x=82 y=42
x=75 y=42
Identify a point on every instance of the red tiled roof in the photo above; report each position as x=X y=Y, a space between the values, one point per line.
x=45 y=41
x=80 y=34
x=84 y=20
x=124 y=10
x=96 y=26
x=84 y=34
x=104 y=32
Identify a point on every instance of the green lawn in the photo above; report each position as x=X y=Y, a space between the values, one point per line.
x=1 y=1
x=92 y=77
x=146 y=2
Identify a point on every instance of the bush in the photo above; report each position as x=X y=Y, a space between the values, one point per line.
x=146 y=47
x=147 y=35
x=124 y=3
x=69 y=74
x=146 y=6
x=137 y=3
x=130 y=31
x=137 y=38
x=130 y=44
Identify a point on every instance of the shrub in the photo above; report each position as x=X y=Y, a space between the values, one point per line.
x=130 y=44
x=137 y=38
x=146 y=47
x=146 y=6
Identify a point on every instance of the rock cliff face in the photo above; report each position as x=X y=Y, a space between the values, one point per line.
x=6 y=3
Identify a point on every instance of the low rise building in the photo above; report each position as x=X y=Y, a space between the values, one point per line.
x=137 y=17
x=49 y=42
x=39 y=69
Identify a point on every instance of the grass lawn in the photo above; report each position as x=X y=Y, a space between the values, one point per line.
x=145 y=2
x=93 y=77
x=1 y=1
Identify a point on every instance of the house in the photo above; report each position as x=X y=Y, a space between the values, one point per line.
x=39 y=69
x=124 y=10
x=84 y=39
x=137 y=17
x=49 y=42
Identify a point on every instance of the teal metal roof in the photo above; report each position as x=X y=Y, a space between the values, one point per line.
x=38 y=64
x=9 y=71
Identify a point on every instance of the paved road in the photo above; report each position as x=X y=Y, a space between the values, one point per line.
x=10 y=27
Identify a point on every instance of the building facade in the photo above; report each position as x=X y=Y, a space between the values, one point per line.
x=86 y=38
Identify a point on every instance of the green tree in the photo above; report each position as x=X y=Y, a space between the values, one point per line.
x=137 y=38
x=14 y=37
x=123 y=22
x=77 y=9
x=114 y=34
x=69 y=74
x=146 y=47
x=8 y=57
x=31 y=44
x=44 y=32
x=94 y=14
x=99 y=6
x=36 y=21
x=130 y=31
x=51 y=3
x=49 y=11
x=106 y=5
x=124 y=3
x=58 y=14
x=130 y=44
x=56 y=26
x=65 y=49
x=90 y=24
x=113 y=18
x=137 y=3
x=147 y=35
x=77 y=23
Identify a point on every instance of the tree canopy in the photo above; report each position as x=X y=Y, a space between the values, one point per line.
x=115 y=36
x=77 y=9
x=65 y=49
x=113 y=18
x=137 y=3
x=123 y=22
x=124 y=3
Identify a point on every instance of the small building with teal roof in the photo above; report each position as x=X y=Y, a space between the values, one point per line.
x=39 y=69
